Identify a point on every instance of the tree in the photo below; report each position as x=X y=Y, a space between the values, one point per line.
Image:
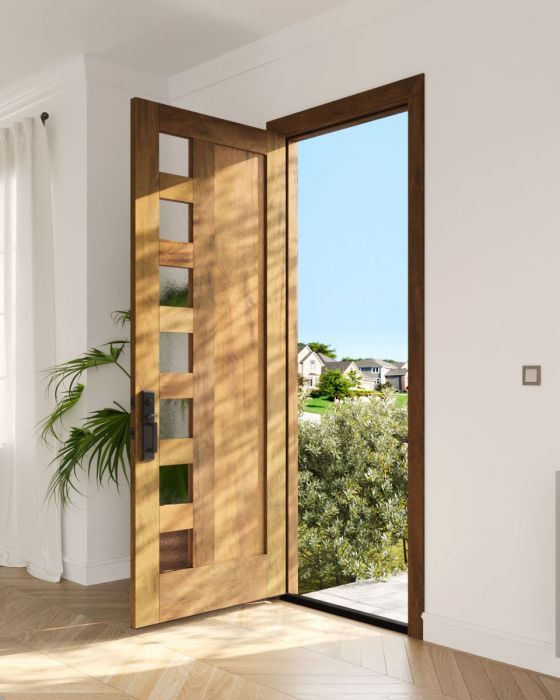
x=353 y=479
x=352 y=359
x=323 y=348
x=355 y=379
x=334 y=385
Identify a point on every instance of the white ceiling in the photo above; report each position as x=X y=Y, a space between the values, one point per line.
x=160 y=36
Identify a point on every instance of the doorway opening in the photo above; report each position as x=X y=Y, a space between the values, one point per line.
x=353 y=367
x=356 y=355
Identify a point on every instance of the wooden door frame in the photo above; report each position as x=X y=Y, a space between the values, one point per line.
x=404 y=95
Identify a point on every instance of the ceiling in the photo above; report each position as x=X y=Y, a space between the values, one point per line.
x=160 y=36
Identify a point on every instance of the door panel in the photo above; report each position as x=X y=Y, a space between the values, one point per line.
x=224 y=543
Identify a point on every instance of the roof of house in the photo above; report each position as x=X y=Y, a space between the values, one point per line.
x=369 y=377
x=342 y=366
x=397 y=372
x=325 y=358
x=372 y=362
x=300 y=346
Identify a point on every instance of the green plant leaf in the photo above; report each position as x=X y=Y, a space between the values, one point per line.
x=101 y=443
x=68 y=400
x=71 y=371
x=121 y=318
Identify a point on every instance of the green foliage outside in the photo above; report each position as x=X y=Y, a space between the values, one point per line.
x=335 y=385
x=323 y=348
x=353 y=472
x=317 y=404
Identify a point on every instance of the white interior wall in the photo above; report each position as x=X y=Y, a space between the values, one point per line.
x=492 y=288
x=89 y=140
x=65 y=100
x=492 y=245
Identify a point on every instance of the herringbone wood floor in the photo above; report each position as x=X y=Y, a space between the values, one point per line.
x=69 y=641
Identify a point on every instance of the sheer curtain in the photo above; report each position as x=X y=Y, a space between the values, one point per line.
x=30 y=526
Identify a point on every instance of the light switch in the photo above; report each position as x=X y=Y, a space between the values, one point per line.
x=531 y=375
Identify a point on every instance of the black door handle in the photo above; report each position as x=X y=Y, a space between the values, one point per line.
x=149 y=425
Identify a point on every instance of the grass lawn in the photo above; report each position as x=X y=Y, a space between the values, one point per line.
x=322 y=404
x=318 y=405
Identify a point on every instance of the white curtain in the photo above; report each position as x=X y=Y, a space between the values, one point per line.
x=30 y=526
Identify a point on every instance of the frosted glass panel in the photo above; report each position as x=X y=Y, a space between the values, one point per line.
x=173 y=286
x=174 y=352
x=174 y=484
x=174 y=220
x=174 y=418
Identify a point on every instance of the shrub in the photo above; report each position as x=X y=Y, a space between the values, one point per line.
x=334 y=385
x=353 y=472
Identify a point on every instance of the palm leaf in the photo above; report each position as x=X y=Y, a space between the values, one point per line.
x=71 y=371
x=101 y=443
x=121 y=318
x=69 y=399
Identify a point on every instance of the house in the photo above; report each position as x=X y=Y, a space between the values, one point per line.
x=376 y=372
x=345 y=367
x=310 y=365
x=481 y=80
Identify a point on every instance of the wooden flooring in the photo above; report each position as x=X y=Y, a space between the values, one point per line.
x=68 y=641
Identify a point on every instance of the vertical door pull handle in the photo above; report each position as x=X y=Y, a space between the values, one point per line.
x=149 y=425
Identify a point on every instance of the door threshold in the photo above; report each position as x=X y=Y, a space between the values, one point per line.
x=341 y=611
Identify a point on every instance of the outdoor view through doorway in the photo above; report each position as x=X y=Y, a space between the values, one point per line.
x=353 y=366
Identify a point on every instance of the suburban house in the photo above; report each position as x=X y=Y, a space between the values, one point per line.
x=310 y=365
x=372 y=372
x=169 y=528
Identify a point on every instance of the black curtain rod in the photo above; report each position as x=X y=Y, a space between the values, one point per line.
x=44 y=117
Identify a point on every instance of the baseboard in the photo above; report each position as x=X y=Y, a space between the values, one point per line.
x=88 y=574
x=493 y=644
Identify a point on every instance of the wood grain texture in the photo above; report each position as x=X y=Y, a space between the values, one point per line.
x=378 y=101
x=217 y=586
x=176 y=386
x=292 y=369
x=203 y=349
x=145 y=357
x=404 y=95
x=176 y=319
x=193 y=125
x=176 y=451
x=175 y=254
x=416 y=396
x=275 y=362
x=175 y=516
x=175 y=188
x=70 y=641
x=228 y=345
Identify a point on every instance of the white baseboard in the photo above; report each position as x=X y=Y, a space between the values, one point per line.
x=91 y=573
x=493 y=644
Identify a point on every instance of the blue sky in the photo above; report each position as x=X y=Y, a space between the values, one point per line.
x=352 y=229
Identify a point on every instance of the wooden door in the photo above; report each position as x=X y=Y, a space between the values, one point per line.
x=218 y=397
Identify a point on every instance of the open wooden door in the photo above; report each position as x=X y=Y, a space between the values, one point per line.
x=219 y=539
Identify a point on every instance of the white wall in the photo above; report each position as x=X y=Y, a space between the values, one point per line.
x=492 y=284
x=89 y=139
x=492 y=246
x=65 y=100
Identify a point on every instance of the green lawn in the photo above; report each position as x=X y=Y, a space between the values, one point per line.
x=322 y=404
x=318 y=405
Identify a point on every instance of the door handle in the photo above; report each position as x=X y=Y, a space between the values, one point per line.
x=149 y=425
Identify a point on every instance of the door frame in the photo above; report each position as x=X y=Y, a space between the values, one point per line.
x=403 y=95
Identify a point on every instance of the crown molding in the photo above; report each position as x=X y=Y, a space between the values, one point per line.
x=141 y=83
x=40 y=85
x=316 y=30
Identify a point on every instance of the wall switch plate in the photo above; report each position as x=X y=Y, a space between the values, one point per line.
x=531 y=375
